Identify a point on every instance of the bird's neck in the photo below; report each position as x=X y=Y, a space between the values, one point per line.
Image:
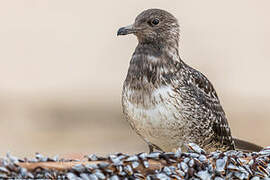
x=156 y=53
x=150 y=63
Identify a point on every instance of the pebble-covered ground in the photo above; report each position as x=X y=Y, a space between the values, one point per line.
x=194 y=164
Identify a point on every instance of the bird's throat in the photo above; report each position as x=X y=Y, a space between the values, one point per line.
x=150 y=65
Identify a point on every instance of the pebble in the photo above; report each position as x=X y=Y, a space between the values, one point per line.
x=92 y=177
x=92 y=157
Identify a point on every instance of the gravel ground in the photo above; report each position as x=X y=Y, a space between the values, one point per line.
x=194 y=164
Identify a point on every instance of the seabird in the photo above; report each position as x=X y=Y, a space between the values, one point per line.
x=167 y=102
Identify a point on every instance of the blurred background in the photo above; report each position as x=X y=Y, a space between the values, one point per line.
x=62 y=69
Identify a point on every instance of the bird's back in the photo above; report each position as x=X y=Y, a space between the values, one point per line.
x=206 y=110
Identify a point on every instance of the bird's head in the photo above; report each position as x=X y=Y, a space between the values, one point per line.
x=153 y=25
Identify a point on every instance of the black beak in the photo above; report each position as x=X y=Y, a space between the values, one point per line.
x=126 y=30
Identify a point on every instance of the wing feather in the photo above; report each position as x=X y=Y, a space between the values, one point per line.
x=206 y=95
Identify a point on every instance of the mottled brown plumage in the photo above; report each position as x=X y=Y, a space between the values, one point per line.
x=167 y=102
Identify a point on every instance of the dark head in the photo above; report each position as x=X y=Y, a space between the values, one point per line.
x=154 y=26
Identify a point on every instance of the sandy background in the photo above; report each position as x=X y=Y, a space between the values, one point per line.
x=62 y=68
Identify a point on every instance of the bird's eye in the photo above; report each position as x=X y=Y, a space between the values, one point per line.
x=155 y=21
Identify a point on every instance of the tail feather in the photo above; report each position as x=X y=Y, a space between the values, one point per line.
x=246 y=146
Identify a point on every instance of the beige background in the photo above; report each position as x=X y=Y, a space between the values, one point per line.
x=62 y=68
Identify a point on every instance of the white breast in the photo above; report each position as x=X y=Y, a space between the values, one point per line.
x=156 y=117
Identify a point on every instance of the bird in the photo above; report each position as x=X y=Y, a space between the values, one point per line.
x=167 y=102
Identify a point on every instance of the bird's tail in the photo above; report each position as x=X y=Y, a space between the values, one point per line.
x=246 y=146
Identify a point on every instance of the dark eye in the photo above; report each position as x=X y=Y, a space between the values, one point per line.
x=155 y=21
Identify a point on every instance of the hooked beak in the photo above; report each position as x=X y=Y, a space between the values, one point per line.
x=126 y=30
